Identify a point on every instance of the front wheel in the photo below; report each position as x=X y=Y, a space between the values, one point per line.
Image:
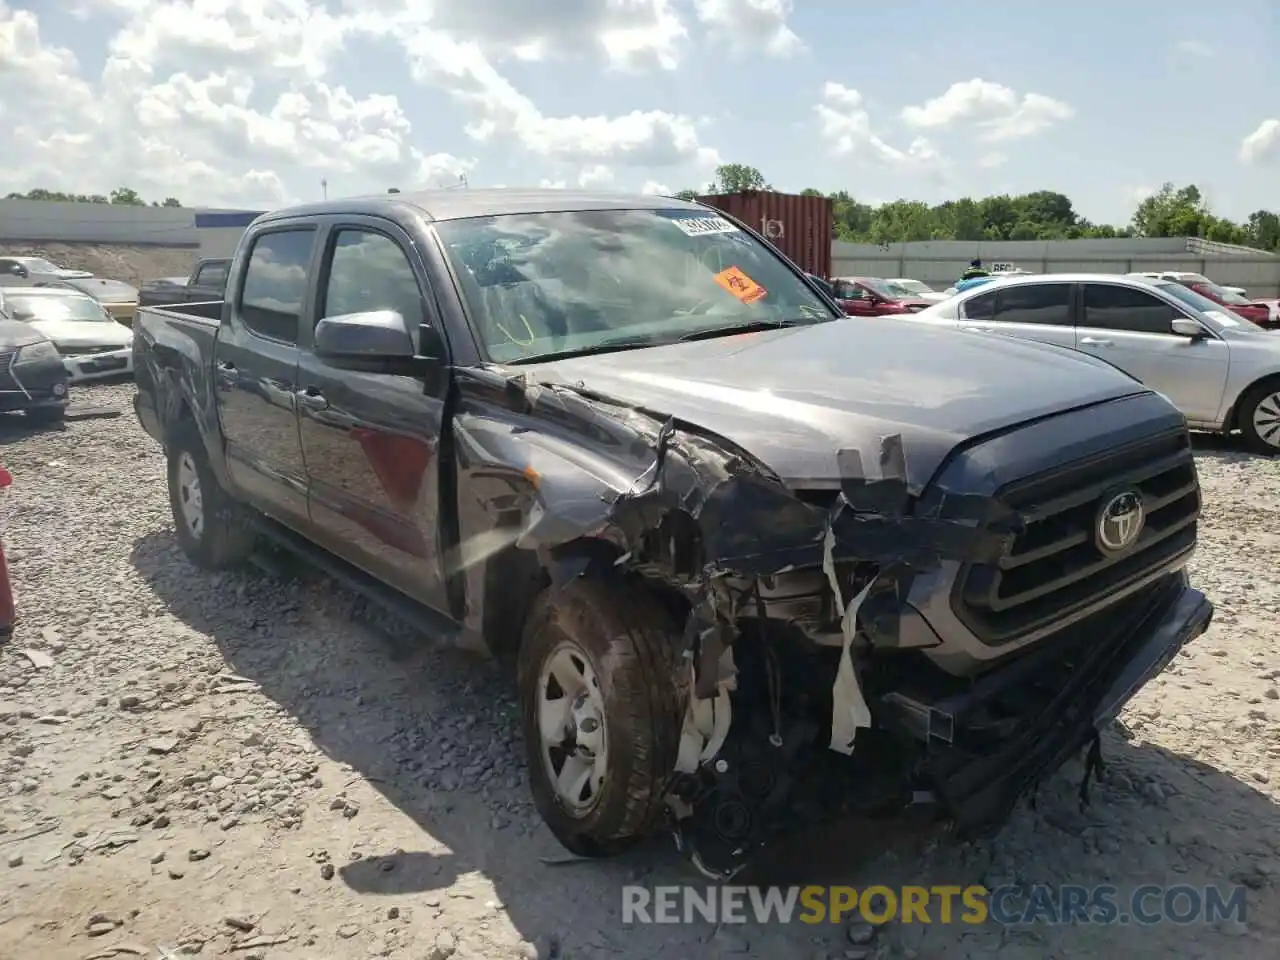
x=1260 y=418
x=602 y=697
x=210 y=525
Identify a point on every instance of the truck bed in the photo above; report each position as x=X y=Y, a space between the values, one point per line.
x=175 y=337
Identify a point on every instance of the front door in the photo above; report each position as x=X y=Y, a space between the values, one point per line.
x=256 y=370
x=370 y=440
x=1133 y=329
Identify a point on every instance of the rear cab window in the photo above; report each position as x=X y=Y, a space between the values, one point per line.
x=275 y=283
x=1112 y=307
x=212 y=275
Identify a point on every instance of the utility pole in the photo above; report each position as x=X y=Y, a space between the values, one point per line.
x=324 y=187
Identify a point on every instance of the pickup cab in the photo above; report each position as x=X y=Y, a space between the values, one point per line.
x=748 y=565
x=207 y=281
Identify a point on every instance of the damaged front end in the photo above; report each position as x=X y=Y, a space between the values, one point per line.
x=801 y=639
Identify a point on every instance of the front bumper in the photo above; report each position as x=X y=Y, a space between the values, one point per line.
x=95 y=366
x=27 y=385
x=1019 y=723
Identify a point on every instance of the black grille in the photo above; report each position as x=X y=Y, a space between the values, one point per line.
x=1053 y=566
x=85 y=351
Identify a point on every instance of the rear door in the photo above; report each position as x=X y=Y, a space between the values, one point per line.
x=1028 y=311
x=1133 y=329
x=256 y=370
x=370 y=440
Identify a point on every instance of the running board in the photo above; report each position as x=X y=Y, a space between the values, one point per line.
x=398 y=604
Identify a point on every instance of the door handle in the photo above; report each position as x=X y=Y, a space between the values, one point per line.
x=1095 y=342
x=312 y=399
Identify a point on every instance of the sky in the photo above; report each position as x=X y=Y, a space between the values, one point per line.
x=253 y=103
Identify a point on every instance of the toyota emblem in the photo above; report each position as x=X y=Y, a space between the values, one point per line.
x=1120 y=522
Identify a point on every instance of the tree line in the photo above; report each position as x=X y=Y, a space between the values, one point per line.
x=1043 y=215
x=121 y=197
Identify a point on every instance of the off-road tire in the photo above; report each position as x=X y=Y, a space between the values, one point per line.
x=633 y=645
x=226 y=540
x=1248 y=404
x=53 y=414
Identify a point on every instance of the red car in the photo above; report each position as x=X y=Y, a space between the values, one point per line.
x=7 y=613
x=873 y=297
x=1259 y=313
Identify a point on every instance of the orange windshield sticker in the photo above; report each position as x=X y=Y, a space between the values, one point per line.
x=740 y=285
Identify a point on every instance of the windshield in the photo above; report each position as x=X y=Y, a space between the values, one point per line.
x=1226 y=296
x=886 y=289
x=913 y=286
x=578 y=282
x=111 y=291
x=46 y=307
x=37 y=264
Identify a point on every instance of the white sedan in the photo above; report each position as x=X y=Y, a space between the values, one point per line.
x=92 y=343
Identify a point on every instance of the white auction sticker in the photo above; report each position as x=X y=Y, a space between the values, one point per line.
x=704 y=226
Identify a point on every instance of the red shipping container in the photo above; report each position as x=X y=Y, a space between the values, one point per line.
x=799 y=226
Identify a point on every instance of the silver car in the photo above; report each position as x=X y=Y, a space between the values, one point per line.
x=1222 y=372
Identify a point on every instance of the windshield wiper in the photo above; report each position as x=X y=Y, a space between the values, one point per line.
x=754 y=326
x=605 y=346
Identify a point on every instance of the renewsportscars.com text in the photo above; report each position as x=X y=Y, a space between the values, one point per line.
x=1007 y=905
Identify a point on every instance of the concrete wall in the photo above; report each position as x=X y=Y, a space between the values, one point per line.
x=939 y=263
x=35 y=221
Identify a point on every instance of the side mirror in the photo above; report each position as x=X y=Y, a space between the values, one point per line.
x=1186 y=327
x=373 y=341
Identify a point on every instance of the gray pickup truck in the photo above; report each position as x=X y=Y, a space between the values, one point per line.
x=751 y=563
x=207 y=281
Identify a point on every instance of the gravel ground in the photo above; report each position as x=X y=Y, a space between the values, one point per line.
x=241 y=765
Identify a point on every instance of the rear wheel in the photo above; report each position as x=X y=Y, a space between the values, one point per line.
x=602 y=704
x=1260 y=417
x=210 y=526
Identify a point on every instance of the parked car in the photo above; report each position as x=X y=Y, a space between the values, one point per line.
x=918 y=288
x=27 y=270
x=91 y=343
x=32 y=377
x=1258 y=313
x=8 y=610
x=120 y=299
x=874 y=297
x=207 y=282
x=1221 y=372
x=712 y=530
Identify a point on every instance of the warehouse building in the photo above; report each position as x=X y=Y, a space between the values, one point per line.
x=940 y=262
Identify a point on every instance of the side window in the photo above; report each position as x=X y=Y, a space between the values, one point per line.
x=275 y=283
x=1114 y=307
x=1039 y=303
x=369 y=271
x=848 y=291
x=982 y=307
x=212 y=275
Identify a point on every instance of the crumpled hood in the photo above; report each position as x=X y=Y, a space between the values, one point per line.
x=794 y=397
x=85 y=333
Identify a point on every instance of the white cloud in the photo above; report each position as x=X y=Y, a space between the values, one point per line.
x=1135 y=194
x=996 y=110
x=846 y=126
x=553 y=184
x=751 y=24
x=235 y=101
x=991 y=161
x=1263 y=144
x=653 y=188
x=595 y=176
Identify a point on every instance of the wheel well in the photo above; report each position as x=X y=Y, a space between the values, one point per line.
x=1271 y=380
x=515 y=578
